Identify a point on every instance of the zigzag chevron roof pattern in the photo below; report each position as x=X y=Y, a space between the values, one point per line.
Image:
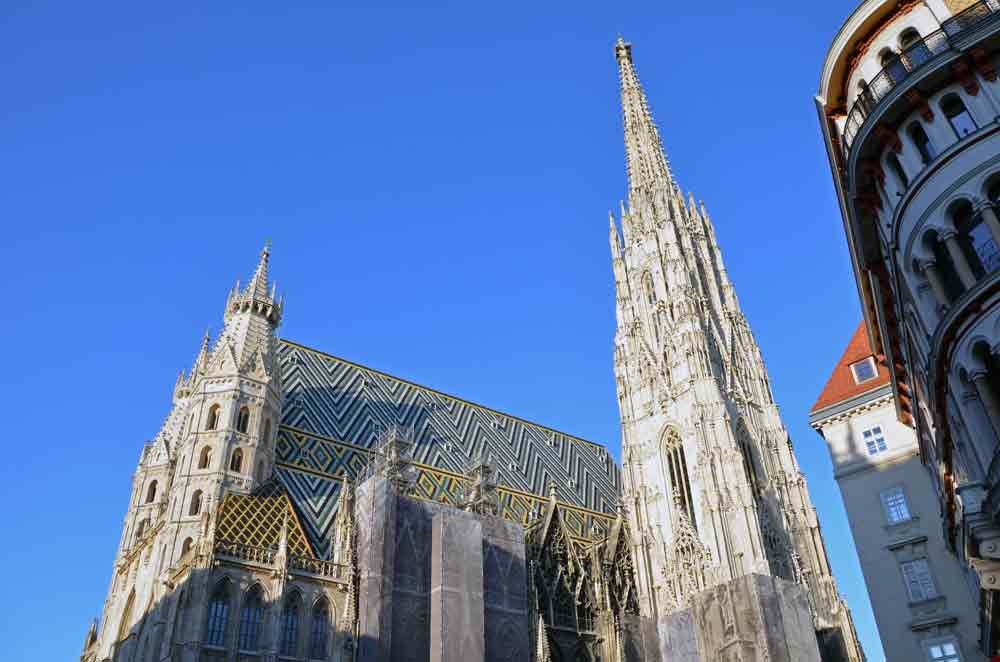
x=333 y=412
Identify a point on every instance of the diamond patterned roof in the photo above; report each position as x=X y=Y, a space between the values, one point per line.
x=256 y=519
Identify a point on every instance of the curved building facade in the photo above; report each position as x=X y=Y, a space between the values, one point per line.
x=908 y=103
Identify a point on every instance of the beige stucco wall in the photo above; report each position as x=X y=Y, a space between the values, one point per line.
x=904 y=627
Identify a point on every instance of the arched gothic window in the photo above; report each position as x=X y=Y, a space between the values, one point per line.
x=236 y=463
x=218 y=615
x=677 y=472
x=125 y=624
x=958 y=116
x=243 y=421
x=749 y=464
x=563 y=604
x=151 y=492
x=260 y=471
x=251 y=619
x=213 y=417
x=266 y=439
x=141 y=529
x=205 y=458
x=290 y=625
x=195 y=503
x=320 y=629
x=186 y=547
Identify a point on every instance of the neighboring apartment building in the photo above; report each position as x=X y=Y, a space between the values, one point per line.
x=923 y=605
x=908 y=107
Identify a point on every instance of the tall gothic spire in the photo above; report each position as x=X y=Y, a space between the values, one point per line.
x=645 y=158
x=257 y=287
x=255 y=296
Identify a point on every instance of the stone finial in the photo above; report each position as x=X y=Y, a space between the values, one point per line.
x=259 y=296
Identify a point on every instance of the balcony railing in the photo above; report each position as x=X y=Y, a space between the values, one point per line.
x=266 y=556
x=242 y=552
x=317 y=567
x=911 y=60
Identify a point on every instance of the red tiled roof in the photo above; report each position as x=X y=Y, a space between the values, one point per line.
x=841 y=385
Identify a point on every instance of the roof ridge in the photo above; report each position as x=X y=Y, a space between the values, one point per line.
x=409 y=382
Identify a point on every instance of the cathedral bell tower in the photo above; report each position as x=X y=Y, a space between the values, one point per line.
x=218 y=437
x=711 y=484
x=234 y=395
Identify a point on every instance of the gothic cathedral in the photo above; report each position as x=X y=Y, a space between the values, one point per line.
x=299 y=506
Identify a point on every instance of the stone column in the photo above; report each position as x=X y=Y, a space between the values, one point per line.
x=937 y=285
x=958 y=258
x=457 y=617
x=988 y=398
x=990 y=218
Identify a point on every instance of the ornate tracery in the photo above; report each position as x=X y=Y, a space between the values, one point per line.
x=675 y=464
x=689 y=569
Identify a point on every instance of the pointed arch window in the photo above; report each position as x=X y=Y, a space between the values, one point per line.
x=151 y=492
x=236 y=462
x=267 y=432
x=218 y=616
x=563 y=604
x=205 y=458
x=243 y=421
x=677 y=473
x=251 y=619
x=125 y=624
x=213 y=418
x=749 y=466
x=195 y=507
x=186 y=547
x=290 y=625
x=320 y=630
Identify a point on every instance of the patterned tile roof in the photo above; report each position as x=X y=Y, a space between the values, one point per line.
x=256 y=519
x=334 y=409
x=842 y=385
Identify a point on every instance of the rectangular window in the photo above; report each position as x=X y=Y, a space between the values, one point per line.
x=944 y=651
x=864 y=370
x=919 y=583
x=874 y=439
x=894 y=503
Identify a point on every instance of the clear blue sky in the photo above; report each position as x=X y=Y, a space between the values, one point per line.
x=436 y=184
